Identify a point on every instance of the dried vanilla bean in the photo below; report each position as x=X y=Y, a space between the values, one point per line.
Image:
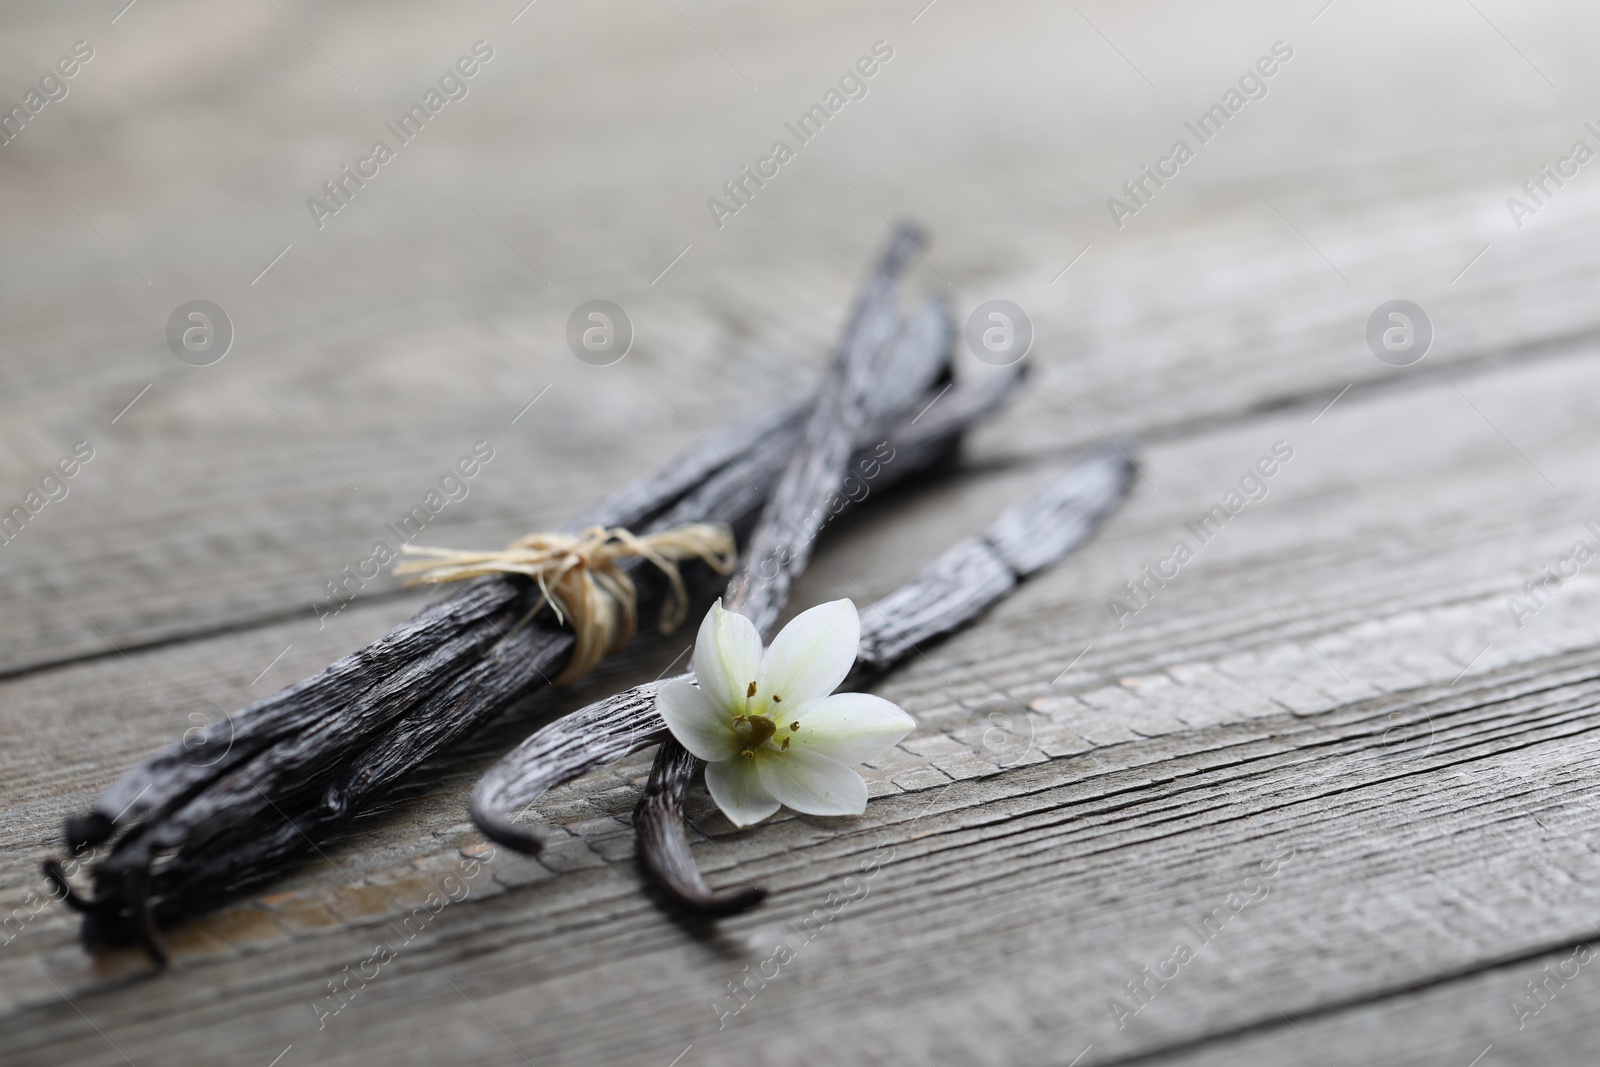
x=956 y=588
x=779 y=549
x=968 y=579
x=300 y=763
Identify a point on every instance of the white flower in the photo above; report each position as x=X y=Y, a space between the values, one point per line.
x=764 y=722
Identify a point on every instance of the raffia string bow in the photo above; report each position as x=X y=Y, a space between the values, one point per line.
x=581 y=579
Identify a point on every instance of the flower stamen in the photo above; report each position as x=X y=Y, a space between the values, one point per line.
x=754 y=730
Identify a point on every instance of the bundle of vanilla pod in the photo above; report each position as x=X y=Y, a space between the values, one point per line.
x=303 y=762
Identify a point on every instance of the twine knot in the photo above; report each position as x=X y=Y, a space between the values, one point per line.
x=581 y=578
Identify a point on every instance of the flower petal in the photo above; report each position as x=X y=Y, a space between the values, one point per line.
x=849 y=727
x=810 y=656
x=812 y=784
x=727 y=657
x=736 y=786
x=700 y=724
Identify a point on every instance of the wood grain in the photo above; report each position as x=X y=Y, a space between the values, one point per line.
x=1006 y=871
x=1337 y=671
x=1206 y=305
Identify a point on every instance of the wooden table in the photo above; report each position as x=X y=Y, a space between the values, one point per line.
x=1332 y=757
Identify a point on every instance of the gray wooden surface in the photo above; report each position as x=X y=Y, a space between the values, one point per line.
x=1334 y=684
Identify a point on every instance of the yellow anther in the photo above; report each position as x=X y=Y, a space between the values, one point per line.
x=748 y=693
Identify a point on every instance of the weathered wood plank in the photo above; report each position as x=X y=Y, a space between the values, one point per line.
x=1205 y=305
x=1221 y=721
x=1059 y=866
x=1491 y=1011
x=1208 y=707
